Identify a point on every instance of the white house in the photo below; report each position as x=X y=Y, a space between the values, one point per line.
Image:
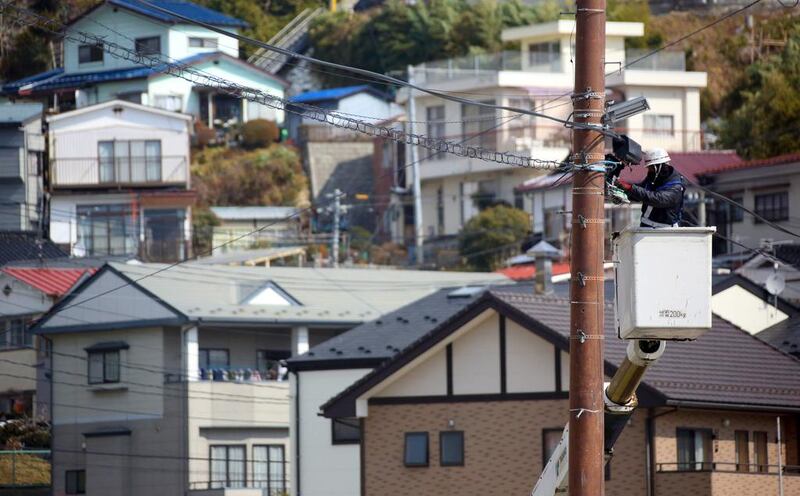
x=120 y=181
x=91 y=74
x=539 y=76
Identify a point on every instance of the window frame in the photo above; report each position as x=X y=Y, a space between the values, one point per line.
x=269 y=461
x=436 y=127
x=406 y=438
x=107 y=217
x=138 y=41
x=739 y=437
x=227 y=481
x=545 y=431
x=761 y=466
x=94 y=49
x=338 y=441
x=655 y=128
x=79 y=488
x=442 y=435
x=204 y=42
x=778 y=211
x=479 y=124
x=105 y=379
x=206 y=350
x=691 y=466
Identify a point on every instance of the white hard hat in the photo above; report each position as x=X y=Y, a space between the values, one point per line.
x=655 y=156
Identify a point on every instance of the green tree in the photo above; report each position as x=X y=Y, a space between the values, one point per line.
x=491 y=236
x=765 y=121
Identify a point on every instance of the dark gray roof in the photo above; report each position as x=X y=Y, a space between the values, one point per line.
x=375 y=341
x=16 y=246
x=726 y=367
x=784 y=335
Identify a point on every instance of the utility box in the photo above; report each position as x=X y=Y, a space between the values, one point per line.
x=663 y=282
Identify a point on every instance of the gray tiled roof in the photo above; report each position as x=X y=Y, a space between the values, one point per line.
x=382 y=338
x=784 y=335
x=16 y=246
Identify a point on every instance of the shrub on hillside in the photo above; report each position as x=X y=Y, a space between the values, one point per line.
x=259 y=133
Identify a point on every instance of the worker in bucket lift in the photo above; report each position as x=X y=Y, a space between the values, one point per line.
x=661 y=192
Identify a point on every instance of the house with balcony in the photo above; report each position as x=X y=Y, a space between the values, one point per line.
x=22 y=162
x=120 y=181
x=91 y=74
x=538 y=76
x=183 y=369
x=466 y=392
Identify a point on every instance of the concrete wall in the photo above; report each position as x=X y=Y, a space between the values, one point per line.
x=745 y=310
x=325 y=469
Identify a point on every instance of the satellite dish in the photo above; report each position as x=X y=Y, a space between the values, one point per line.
x=776 y=283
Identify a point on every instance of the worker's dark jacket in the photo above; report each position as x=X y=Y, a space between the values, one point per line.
x=662 y=199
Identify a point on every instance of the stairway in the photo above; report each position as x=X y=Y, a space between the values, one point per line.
x=293 y=36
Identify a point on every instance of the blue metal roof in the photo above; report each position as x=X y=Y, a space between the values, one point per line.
x=335 y=94
x=56 y=79
x=187 y=9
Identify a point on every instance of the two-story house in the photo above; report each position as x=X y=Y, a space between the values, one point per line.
x=22 y=150
x=171 y=381
x=466 y=392
x=538 y=76
x=92 y=74
x=120 y=181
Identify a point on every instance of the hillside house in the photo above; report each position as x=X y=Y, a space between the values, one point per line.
x=92 y=75
x=120 y=181
x=420 y=392
x=183 y=368
x=539 y=76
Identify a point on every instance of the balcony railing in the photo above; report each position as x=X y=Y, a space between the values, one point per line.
x=661 y=61
x=271 y=477
x=128 y=171
x=233 y=373
x=752 y=468
x=481 y=66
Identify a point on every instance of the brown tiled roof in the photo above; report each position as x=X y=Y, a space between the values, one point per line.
x=726 y=367
x=787 y=158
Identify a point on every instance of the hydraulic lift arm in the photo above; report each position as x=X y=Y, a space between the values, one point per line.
x=620 y=402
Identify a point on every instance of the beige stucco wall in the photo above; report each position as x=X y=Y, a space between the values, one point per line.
x=746 y=310
x=19 y=370
x=429 y=378
x=530 y=361
x=476 y=359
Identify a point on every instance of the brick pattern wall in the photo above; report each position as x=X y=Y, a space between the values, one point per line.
x=502 y=454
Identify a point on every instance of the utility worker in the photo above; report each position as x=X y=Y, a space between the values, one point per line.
x=661 y=192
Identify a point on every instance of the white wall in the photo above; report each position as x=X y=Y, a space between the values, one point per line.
x=326 y=470
x=530 y=361
x=476 y=359
x=179 y=41
x=745 y=310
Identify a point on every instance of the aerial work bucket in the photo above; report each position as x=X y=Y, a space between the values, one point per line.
x=663 y=282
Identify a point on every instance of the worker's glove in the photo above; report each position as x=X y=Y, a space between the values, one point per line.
x=624 y=185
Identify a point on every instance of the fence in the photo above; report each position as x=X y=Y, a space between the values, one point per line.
x=25 y=468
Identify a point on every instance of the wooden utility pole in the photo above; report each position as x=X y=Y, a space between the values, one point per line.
x=586 y=457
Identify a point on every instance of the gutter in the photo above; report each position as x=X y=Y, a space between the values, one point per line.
x=297 y=433
x=732 y=406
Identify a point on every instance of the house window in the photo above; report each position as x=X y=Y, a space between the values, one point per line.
x=662 y=125
x=14 y=334
x=75 y=482
x=694 y=449
x=451 y=448
x=735 y=214
x=228 y=467
x=148 y=46
x=124 y=161
x=173 y=103
x=436 y=127
x=478 y=125
x=90 y=53
x=553 y=223
x=106 y=230
x=345 y=431
x=550 y=440
x=773 y=206
x=416 y=449
x=269 y=468
x=214 y=358
x=104 y=367
x=203 y=42
x=520 y=125
x=268 y=363
x=760 y=451
x=440 y=210
x=545 y=56
x=742 y=442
